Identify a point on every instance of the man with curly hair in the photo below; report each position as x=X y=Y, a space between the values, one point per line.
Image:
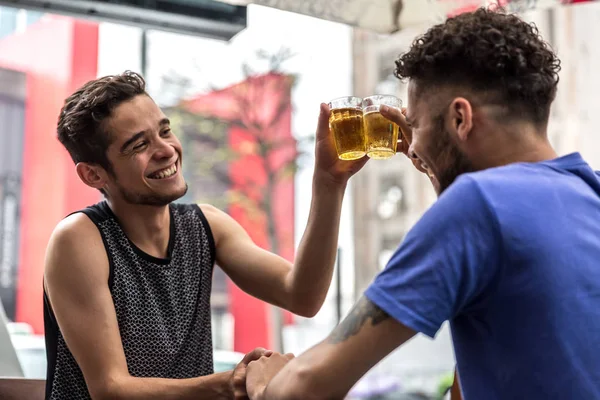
x=509 y=252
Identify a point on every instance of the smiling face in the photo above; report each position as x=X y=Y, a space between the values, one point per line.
x=145 y=155
x=432 y=143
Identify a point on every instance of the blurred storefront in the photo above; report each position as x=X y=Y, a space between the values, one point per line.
x=44 y=61
x=240 y=153
x=49 y=58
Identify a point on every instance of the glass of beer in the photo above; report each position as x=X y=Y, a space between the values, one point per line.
x=381 y=134
x=346 y=123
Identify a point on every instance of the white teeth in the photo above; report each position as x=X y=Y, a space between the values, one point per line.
x=165 y=173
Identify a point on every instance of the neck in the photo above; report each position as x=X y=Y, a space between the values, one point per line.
x=148 y=227
x=515 y=144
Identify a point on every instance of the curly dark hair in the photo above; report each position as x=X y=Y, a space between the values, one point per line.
x=489 y=52
x=81 y=124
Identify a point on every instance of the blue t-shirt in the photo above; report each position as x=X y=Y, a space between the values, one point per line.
x=511 y=257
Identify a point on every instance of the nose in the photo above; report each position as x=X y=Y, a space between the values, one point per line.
x=417 y=162
x=411 y=152
x=163 y=149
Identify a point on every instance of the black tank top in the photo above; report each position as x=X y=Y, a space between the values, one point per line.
x=162 y=305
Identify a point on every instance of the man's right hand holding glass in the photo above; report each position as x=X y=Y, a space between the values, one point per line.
x=398 y=116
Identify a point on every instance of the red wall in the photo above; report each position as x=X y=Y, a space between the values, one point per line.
x=266 y=95
x=58 y=54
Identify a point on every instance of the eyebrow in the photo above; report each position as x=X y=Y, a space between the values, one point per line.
x=137 y=136
x=131 y=140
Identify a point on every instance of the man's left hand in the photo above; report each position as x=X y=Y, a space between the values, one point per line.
x=327 y=162
x=260 y=372
x=238 y=376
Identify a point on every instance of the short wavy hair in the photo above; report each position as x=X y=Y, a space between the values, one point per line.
x=82 y=121
x=489 y=52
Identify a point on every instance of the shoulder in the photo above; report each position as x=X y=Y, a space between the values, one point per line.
x=211 y=211
x=462 y=209
x=222 y=225
x=217 y=219
x=74 y=231
x=499 y=197
x=513 y=176
x=499 y=185
x=517 y=187
x=74 y=246
x=463 y=197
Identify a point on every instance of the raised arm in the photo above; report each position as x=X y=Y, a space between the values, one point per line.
x=76 y=282
x=300 y=287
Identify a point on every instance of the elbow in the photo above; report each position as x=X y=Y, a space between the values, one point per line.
x=306 y=308
x=107 y=389
x=105 y=393
x=310 y=312
x=303 y=302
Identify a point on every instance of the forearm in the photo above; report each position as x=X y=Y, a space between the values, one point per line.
x=290 y=384
x=303 y=378
x=211 y=387
x=314 y=263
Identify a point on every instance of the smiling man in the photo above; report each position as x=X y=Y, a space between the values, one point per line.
x=128 y=280
x=510 y=251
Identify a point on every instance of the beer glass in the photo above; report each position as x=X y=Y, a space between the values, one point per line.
x=346 y=123
x=381 y=134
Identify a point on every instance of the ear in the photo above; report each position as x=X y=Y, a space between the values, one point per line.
x=92 y=175
x=461 y=118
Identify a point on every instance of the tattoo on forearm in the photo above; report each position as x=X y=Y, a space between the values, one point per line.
x=363 y=311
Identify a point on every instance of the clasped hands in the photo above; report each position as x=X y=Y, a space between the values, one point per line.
x=251 y=376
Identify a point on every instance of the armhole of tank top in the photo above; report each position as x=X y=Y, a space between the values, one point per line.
x=111 y=264
x=51 y=337
x=211 y=239
x=51 y=342
x=46 y=299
